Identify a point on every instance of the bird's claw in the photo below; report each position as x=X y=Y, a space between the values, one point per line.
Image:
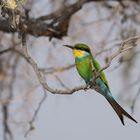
x=87 y=86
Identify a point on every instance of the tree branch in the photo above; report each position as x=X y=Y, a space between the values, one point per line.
x=39 y=26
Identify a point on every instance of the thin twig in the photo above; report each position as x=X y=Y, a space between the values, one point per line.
x=54 y=70
x=128 y=44
x=31 y=127
x=134 y=101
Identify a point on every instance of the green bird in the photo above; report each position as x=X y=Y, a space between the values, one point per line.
x=88 y=67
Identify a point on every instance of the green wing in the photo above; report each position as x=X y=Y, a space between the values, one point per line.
x=102 y=75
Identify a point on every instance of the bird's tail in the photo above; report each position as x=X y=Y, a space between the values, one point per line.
x=119 y=110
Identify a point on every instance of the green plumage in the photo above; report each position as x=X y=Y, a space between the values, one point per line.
x=87 y=66
x=84 y=67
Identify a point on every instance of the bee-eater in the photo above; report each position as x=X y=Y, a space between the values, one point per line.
x=87 y=67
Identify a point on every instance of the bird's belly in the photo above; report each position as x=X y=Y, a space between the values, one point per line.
x=85 y=70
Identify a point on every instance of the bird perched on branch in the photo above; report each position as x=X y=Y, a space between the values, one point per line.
x=88 y=68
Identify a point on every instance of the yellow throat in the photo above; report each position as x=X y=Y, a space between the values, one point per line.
x=78 y=53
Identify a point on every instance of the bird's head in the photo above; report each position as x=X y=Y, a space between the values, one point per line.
x=79 y=50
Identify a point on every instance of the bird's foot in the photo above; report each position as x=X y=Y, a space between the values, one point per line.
x=88 y=84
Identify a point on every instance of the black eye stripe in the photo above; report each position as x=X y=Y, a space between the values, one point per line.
x=84 y=49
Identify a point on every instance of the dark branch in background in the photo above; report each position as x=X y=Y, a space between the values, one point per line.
x=5 y=51
x=7 y=132
x=39 y=26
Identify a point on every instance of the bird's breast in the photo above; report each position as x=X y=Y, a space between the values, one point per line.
x=84 y=68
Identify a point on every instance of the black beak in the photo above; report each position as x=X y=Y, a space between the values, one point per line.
x=71 y=47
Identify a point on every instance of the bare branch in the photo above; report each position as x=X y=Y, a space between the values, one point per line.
x=41 y=76
x=31 y=127
x=134 y=101
x=38 y=26
x=54 y=70
x=128 y=44
x=7 y=130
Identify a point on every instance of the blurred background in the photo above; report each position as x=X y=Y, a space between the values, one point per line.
x=103 y=25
